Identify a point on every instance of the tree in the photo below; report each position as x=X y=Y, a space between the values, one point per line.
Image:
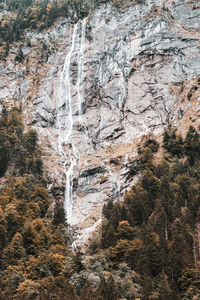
x=124 y=230
x=196 y=244
x=180 y=246
x=192 y=145
x=107 y=289
x=108 y=236
x=59 y=214
x=164 y=291
x=87 y=293
x=28 y=289
x=15 y=251
x=189 y=281
x=3 y=237
x=150 y=183
x=173 y=143
x=30 y=141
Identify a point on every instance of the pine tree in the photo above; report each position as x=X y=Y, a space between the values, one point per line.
x=59 y=215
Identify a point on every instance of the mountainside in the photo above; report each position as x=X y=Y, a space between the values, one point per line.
x=90 y=96
x=92 y=89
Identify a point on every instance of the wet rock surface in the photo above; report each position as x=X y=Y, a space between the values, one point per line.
x=137 y=63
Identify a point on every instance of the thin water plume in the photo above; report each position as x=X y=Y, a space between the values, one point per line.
x=65 y=116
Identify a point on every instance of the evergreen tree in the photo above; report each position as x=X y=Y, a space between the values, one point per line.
x=59 y=215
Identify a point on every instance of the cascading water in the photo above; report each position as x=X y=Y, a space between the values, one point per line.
x=65 y=118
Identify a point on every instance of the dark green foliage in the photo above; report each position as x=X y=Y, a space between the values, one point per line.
x=19 y=147
x=192 y=145
x=164 y=290
x=30 y=139
x=3 y=237
x=11 y=128
x=108 y=236
x=156 y=232
x=107 y=290
x=32 y=246
x=152 y=144
x=41 y=14
x=59 y=216
x=150 y=183
x=173 y=143
x=77 y=259
x=4 y=155
x=190 y=282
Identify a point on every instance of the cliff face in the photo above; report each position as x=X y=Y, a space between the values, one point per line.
x=92 y=89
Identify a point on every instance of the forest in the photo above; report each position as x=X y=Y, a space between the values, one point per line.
x=156 y=229
x=149 y=244
x=39 y=15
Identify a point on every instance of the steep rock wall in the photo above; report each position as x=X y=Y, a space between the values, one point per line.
x=140 y=69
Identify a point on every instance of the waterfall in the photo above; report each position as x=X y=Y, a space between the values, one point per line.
x=65 y=116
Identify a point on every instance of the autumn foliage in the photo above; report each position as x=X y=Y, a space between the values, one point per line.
x=148 y=247
x=156 y=228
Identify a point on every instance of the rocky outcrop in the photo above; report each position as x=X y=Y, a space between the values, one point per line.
x=140 y=72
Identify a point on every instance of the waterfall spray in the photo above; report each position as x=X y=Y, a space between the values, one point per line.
x=65 y=120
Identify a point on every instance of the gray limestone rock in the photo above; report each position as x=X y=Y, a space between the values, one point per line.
x=133 y=61
x=92 y=172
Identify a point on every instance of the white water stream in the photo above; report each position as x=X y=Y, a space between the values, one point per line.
x=65 y=118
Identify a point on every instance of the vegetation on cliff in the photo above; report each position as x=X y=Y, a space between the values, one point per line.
x=149 y=245
x=156 y=229
x=38 y=15
x=32 y=246
x=35 y=260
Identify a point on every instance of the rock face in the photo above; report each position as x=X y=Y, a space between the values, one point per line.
x=132 y=71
